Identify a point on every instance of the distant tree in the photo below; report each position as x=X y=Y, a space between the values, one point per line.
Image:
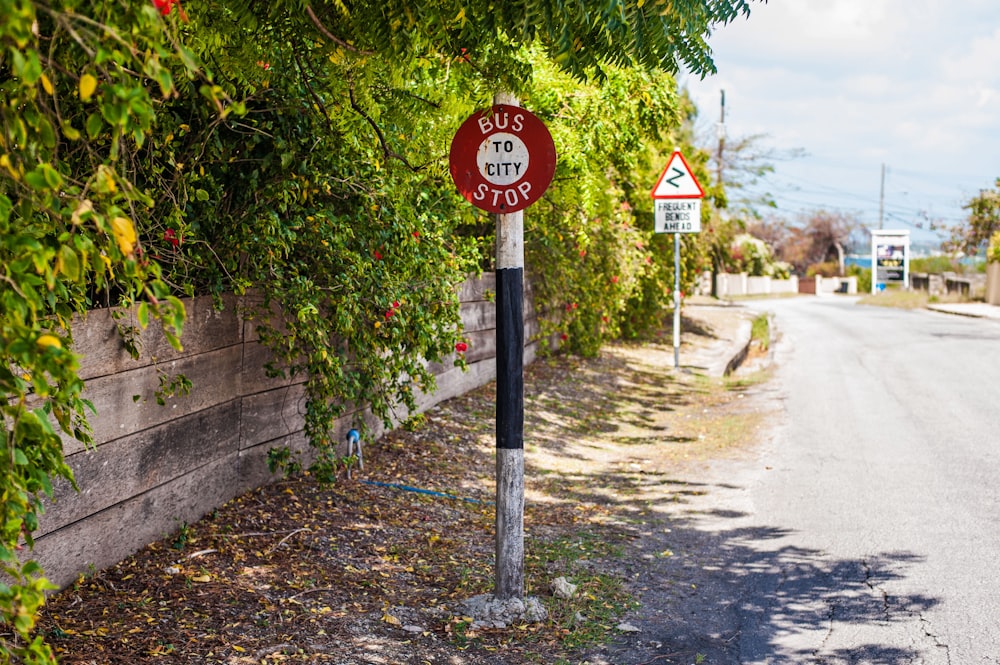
x=819 y=237
x=737 y=166
x=982 y=223
x=755 y=257
x=741 y=165
x=773 y=230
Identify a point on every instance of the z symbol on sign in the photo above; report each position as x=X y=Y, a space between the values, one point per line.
x=680 y=173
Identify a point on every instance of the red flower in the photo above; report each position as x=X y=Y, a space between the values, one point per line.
x=416 y=234
x=164 y=6
x=389 y=313
x=564 y=337
x=395 y=304
x=170 y=236
x=614 y=280
x=461 y=347
x=583 y=253
x=378 y=255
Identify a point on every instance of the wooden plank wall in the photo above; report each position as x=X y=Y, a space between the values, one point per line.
x=156 y=466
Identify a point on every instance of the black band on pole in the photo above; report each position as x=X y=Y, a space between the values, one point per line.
x=510 y=358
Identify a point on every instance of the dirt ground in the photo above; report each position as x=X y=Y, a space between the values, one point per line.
x=372 y=569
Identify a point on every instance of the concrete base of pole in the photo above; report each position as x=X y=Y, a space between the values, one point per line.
x=489 y=612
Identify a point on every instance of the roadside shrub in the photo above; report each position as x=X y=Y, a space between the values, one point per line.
x=826 y=269
x=864 y=276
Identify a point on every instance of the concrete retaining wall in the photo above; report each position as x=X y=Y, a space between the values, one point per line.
x=972 y=286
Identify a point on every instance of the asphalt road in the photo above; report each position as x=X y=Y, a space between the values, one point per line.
x=867 y=528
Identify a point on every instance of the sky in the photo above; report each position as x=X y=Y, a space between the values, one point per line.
x=855 y=85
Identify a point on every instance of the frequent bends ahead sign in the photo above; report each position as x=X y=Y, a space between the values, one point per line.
x=677 y=198
x=502 y=160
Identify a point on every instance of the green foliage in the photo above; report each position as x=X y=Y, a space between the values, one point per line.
x=936 y=264
x=864 y=276
x=983 y=222
x=598 y=269
x=296 y=155
x=78 y=97
x=824 y=269
x=760 y=331
x=754 y=257
x=993 y=251
x=582 y=39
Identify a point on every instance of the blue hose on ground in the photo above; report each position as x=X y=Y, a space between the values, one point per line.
x=407 y=488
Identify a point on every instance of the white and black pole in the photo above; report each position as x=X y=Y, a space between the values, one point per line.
x=502 y=161
x=510 y=400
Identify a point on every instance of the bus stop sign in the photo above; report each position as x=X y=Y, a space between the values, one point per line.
x=502 y=160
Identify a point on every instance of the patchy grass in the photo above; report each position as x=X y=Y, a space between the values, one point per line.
x=760 y=332
x=898 y=299
x=908 y=299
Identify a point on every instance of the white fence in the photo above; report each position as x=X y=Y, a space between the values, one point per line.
x=729 y=285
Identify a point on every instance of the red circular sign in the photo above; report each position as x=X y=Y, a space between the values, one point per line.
x=502 y=160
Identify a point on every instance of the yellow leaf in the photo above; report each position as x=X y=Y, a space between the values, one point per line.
x=238 y=648
x=49 y=340
x=389 y=619
x=88 y=84
x=46 y=84
x=85 y=206
x=124 y=233
x=105 y=180
x=5 y=162
x=202 y=578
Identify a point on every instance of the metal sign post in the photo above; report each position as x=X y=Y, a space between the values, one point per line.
x=502 y=161
x=677 y=300
x=677 y=208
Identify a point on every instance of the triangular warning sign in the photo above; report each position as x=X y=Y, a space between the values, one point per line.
x=677 y=181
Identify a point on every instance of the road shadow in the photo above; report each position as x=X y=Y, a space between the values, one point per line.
x=714 y=587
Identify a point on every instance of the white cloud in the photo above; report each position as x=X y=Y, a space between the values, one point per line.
x=858 y=83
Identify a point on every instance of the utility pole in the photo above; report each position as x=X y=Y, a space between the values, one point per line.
x=721 y=133
x=881 y=197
